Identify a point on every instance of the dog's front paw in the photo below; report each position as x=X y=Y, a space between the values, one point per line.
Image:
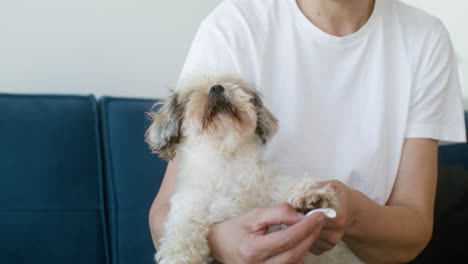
x=306 y=196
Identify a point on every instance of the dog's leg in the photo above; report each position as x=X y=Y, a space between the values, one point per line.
x=185 y=231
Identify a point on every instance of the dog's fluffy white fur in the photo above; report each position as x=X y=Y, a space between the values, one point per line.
x=218 y=127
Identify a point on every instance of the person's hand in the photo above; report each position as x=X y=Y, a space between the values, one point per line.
x=244 y=239
x=334 y=230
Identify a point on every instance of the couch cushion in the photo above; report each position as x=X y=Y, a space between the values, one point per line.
x=449 y=239
x=133 y=176
x=455 y=155
x=50 y=204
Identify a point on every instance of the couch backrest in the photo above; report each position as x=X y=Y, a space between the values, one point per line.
x=132 y=176
x=51 y=208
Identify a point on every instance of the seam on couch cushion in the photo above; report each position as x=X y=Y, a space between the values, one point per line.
x=110 y=192
x=99 y=150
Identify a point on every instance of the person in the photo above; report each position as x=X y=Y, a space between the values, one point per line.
x=364 y=91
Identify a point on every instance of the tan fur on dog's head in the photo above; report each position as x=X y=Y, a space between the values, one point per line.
x=209 y=107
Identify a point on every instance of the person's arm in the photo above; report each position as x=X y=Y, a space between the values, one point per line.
x=160 y=206
x=400 y=230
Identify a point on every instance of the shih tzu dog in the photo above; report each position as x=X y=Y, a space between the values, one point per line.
x=216 y=128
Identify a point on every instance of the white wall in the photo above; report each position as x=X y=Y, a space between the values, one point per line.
x=130 y=48
x=127 y=47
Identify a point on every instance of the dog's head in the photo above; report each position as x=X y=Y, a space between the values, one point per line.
x=212 y=108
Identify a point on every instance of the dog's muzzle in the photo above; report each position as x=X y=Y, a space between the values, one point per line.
x=218 y=103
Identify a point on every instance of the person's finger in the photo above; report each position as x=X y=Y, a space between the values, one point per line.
x=327 y=240
x=323 y=245
x=278 y=242
x=330 y=235
x=297 y=254
x=316 y=251
x=262 y=218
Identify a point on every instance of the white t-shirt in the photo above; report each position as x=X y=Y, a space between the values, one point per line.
x=345 y=104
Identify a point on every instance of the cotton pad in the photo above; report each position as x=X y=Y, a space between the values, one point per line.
x=328 y=212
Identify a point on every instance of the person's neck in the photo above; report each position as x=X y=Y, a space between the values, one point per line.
x=337 y=17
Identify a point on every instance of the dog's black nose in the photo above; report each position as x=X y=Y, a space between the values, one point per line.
x=217 y=89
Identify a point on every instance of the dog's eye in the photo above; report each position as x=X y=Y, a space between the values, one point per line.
x=256 y=101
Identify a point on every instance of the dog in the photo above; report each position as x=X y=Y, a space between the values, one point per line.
x=217 y=129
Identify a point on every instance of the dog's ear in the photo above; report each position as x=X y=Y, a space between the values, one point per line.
x=164 y=133
x=267 y=124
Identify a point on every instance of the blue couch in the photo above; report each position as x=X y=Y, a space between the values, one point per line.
x=77 y=182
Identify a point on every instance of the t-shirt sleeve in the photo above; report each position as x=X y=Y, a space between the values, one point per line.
x=436 y=108
x=210 y=52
